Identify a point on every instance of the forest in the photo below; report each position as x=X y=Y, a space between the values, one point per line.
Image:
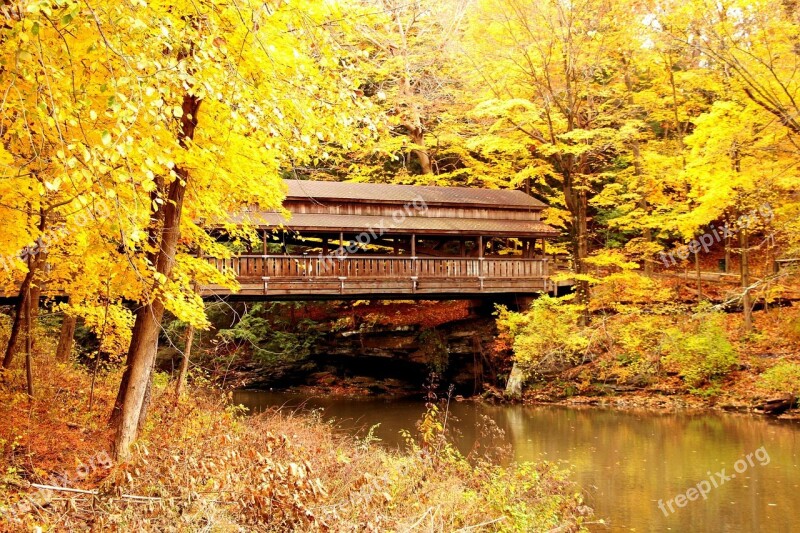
x=662 y=138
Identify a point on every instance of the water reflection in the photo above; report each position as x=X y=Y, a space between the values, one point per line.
x=625 y=462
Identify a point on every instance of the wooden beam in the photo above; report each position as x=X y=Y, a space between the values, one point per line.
x=480 y=245
x=413 y=245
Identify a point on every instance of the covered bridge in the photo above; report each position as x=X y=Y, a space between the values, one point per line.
x=368 y=240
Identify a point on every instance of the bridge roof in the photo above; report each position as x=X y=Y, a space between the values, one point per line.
x=331 y=207
x=401 y=194
x=399 y=225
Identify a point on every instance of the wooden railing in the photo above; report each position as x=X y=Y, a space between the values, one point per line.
x=380 y=267
x=361 y=274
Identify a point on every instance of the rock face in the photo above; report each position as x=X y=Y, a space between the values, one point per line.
x=515 y=380
x=395 y=360
x=778 y=406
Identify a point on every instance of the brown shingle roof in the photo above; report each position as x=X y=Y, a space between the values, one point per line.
x=389 y=193
x=421 y=225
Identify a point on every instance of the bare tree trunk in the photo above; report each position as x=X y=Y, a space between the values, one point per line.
x=580 y=247
x=698 y=275
x=647 y=234
x=19 y=319
x=34 y=263
x=727 y=254
x=99 y=348
x=29 y=344
x=187 y=352
x=148 y=395
x=414 y=122
x=417 y=137
x=145 y=335
x=744 y=270
x=36 y=295
x=144 y=341
x=66 y=338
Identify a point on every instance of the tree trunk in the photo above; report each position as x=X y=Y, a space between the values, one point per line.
x=417 y=137
x=144 y=340
x=647 y=232
x=29 y=344
x=727 y=254
x=65 y=338
x=698 y=275
x=34 y=263
x=744 y=270
x=19 y=319
x=148 y=395
x=36 y=295
x=187 y=352
x=145 y=334
x=647 y=235
x=580 y=247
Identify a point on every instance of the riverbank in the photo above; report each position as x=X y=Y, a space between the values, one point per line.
x=625 y=460
x=673 y=359
x=667 y=357
x=657 y=404
x=201 y=464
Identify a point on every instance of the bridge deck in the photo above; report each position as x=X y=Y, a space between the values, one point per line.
x=276 y=275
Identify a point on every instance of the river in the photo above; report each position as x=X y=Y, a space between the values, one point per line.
x=626 y=463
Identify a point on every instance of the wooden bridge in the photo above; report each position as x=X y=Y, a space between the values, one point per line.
x=358 y=240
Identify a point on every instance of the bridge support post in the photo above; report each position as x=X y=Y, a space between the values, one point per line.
x=265 y=279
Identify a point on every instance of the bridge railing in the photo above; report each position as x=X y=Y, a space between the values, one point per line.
x=381 y=267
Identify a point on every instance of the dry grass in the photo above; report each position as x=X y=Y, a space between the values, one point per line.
x=206 y=467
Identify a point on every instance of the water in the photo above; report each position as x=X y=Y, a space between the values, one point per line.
x=625 y=462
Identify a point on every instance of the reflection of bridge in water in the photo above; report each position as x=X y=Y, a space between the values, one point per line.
x=358 y=240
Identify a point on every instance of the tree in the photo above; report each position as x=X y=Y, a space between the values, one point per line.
x=741 y=159
x=180 y=114
x=412 y=71
x=757 y=43
x=557 y=91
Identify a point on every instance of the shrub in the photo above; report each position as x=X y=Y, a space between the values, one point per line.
x=209 y=468
x=782 y=378
x=271 y=335
x=547 y=337
x=639 y=346
x=700 y=351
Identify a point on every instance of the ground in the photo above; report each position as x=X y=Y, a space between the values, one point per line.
x=202 y=463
